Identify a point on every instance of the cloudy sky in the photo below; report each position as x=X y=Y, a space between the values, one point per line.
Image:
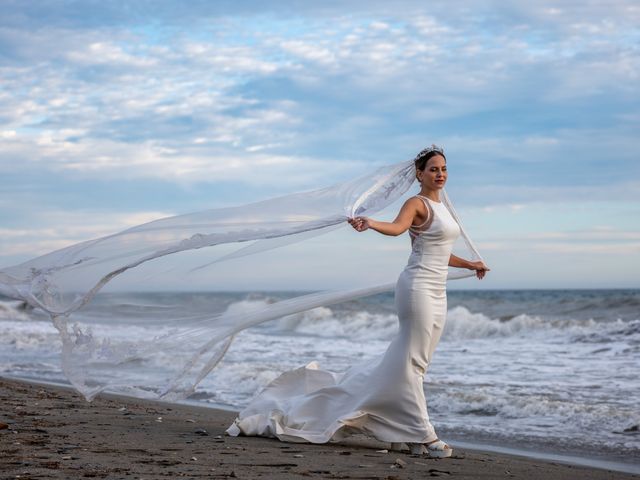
x=116 y=113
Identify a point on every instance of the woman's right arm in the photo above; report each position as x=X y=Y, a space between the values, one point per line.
x=400 y=225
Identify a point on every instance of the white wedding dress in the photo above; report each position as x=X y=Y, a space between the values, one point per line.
x=382 y=397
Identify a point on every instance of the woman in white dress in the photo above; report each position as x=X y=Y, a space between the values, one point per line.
x=383 y=398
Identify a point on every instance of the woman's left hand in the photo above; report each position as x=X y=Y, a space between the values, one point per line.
x=480 y=268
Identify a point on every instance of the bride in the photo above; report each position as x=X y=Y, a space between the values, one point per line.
x=384 y=397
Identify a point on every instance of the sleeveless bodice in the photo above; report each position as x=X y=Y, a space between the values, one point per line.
x=432 y=246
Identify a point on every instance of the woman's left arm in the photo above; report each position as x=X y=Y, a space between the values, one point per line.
x=479 y=266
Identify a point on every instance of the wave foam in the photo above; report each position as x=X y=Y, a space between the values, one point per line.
x=15 y=310
x=323 y=322
x=461 y=323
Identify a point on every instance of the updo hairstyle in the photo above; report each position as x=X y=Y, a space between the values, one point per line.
x=423 y=157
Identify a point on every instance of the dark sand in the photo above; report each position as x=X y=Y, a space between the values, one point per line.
x=52 y=432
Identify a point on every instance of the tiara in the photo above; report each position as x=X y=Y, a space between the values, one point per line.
x=432 y=148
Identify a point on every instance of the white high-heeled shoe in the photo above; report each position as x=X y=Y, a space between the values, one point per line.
x=435 y=449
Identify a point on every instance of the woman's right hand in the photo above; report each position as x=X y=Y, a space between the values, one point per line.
x=359 y=223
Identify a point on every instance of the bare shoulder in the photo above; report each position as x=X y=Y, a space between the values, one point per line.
x=415 y=204
x=413 y=207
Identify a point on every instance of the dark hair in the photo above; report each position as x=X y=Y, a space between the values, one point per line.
x=423 y=157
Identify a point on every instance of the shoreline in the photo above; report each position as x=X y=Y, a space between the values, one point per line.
x=52 y=431
x=603 y=463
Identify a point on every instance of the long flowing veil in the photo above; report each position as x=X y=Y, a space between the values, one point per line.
x=99 y=352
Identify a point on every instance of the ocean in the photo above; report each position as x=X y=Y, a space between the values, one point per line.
x=546 y=370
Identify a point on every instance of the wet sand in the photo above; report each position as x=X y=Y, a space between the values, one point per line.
x=52 y=432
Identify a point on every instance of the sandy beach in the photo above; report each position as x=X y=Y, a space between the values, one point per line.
x=52 y=432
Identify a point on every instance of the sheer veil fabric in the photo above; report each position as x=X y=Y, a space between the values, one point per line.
x=97 y=354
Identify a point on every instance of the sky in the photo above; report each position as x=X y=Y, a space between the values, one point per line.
x=117 y=113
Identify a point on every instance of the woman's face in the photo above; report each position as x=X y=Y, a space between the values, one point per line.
x=434 y=175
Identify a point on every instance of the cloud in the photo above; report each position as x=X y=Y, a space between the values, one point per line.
x=603 y=240
x=108 y=53
x=58 y=229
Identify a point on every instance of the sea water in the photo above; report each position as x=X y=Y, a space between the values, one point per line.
x=555 y=371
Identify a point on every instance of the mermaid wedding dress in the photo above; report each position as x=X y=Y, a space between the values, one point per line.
x=384 y=397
